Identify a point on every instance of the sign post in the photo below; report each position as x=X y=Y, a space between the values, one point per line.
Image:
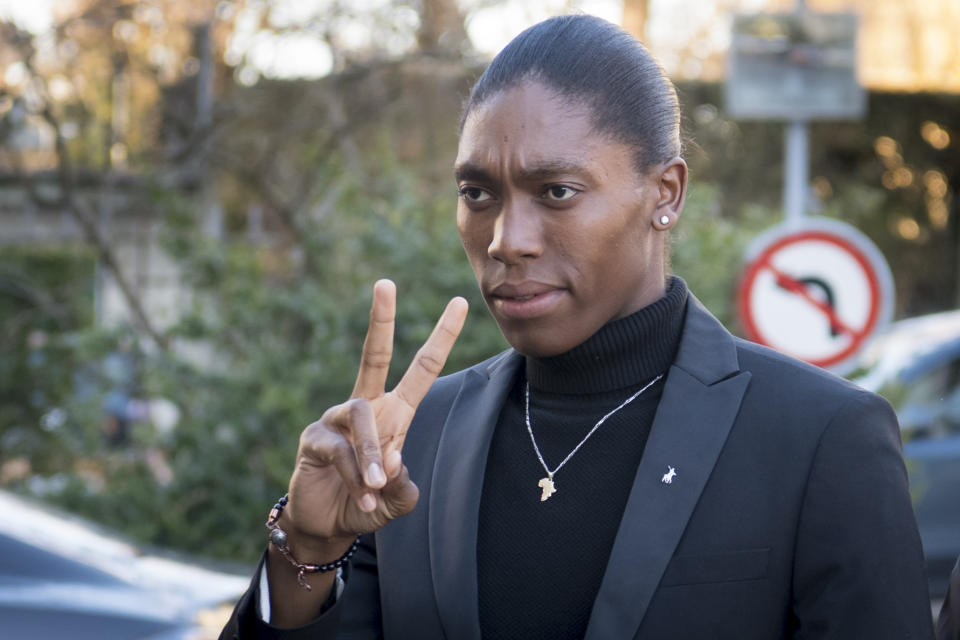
x=794 y=67
x=815 y=289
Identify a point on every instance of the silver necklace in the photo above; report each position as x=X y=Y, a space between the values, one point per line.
x=547 y=483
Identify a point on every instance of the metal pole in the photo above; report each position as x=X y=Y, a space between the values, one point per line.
x=796 y=161
x=796 y=170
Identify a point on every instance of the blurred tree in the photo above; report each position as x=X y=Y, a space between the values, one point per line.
x=318 y=204
x=707 y=248
x=894 y=176
x=44 y=295
x=101 y=70
x=635 y=17
x=441 y=27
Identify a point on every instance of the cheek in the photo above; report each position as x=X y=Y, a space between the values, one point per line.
x=605 y=245
x=472 y=236
x=629 y=243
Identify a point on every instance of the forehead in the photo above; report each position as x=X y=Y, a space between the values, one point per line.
x=531 y=125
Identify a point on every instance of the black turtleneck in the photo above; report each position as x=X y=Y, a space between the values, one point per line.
x=540 y=563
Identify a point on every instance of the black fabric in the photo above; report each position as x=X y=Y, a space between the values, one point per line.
x=540 y=563
x=948 y=623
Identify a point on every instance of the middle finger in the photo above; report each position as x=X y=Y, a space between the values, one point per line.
x=378 y=345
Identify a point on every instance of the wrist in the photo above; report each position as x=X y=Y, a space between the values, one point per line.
x=303 y=529
x=279 y=541
x=313 y=548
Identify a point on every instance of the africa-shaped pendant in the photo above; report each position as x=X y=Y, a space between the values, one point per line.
x=548 y=489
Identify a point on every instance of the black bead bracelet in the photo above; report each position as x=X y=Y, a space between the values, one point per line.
x=278 y=537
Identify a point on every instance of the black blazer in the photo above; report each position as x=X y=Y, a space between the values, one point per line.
x=788 y=517
x=948 y=623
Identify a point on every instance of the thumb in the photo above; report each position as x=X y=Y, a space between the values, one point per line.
x=400 y=494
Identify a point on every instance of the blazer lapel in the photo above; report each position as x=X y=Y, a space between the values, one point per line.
x=455 y=493
x=700 y=401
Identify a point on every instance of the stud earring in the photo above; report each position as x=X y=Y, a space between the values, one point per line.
x=665 y=220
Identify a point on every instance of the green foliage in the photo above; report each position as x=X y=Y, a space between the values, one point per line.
x=708 y=248
x=46 y=296
x=272 y=339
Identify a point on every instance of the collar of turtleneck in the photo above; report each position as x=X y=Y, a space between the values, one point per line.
x=623 y=353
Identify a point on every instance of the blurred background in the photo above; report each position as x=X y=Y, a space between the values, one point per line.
x=196 y=197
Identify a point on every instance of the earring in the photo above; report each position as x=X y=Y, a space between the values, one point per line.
x=665 y=220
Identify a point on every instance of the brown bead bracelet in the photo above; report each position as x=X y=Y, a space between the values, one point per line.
x=278 y=537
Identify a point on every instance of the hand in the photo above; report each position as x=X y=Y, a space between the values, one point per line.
x=349 y=476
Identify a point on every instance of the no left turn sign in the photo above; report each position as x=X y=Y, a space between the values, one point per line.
x=817 y=290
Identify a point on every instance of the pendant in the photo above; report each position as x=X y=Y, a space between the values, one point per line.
x=548 y=489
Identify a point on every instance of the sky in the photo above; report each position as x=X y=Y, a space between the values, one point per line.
x=34 y=15
x=491 y=29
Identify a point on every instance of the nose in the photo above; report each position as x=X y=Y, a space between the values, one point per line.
x=517 y=234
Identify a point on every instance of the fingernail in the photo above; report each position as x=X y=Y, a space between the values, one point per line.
x=368 y=503
x=375 y=476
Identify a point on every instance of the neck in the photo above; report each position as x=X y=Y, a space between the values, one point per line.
x=623 y=353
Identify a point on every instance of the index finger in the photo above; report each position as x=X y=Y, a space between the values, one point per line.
x=429 y=361
x=378 y=345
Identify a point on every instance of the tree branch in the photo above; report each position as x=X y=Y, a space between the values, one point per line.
x=69 y=199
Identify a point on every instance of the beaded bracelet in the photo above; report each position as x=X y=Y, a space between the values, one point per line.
x=279 y=539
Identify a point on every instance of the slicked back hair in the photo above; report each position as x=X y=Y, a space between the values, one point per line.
x=587 y=60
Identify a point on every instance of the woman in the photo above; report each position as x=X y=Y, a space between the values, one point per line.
x=628 y=468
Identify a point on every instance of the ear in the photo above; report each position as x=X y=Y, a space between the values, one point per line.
x=672 y=180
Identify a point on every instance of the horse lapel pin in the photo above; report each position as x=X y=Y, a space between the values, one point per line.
x=669 y=475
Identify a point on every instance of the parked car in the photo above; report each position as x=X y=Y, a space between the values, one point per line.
x=916 y=366
x=61 y=577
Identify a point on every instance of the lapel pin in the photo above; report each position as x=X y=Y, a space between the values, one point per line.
x=669 y=475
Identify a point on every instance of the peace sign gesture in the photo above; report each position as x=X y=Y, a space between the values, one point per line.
x=349 y=476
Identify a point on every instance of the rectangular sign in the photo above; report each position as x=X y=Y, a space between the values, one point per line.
x=794 y=66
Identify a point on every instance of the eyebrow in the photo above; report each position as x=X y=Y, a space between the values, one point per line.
x=538 y=172
x=472 y=172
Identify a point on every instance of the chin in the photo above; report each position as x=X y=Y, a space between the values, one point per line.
x=540 y=337
x=538 y=346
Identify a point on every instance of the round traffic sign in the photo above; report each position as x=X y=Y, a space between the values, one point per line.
x=816 y=290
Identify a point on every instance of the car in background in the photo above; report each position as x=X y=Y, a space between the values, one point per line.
x=916 y=366
x=61 y=577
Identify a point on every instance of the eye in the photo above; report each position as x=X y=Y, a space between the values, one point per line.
x=560 y=192
x=473 y=194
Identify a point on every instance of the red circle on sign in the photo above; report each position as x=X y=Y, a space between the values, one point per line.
x=763 y=261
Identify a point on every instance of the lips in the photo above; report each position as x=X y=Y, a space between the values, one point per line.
x=524 y=300
x=520 y=290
